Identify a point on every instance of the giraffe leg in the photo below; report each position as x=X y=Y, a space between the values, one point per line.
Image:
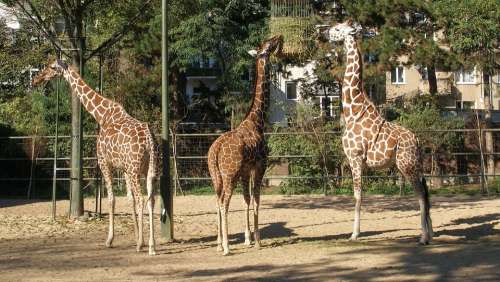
x=406 y=161
x=136 y=190
x=151 y=205
x=219 y=200
x=256 y=187
x=424 y=202
x=357 y=168
x=132 y=202
x=215 y=174
x=219 y=224
x=108 y=179
x=245 y=177
x=420 y=188
x=228 y=191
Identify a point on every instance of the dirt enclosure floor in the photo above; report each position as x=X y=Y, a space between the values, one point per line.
x=304 y=238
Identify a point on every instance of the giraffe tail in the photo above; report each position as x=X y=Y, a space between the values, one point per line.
x=426 y=192
x=213 y=166
x=154 y=157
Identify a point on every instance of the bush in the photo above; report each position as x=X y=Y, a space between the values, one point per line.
x=320 y=154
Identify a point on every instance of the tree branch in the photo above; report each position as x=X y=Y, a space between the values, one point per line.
x=36 y=19
x=118 y=35
x=64 y=8
x=87 y=3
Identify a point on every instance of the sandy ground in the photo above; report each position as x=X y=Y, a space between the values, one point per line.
x=304 y=238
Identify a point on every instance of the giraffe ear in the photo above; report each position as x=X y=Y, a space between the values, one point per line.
x=62 y=64
x=253 y=52
x=357 y=27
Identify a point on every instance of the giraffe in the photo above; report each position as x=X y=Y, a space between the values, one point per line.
x=368 y=140
x=242 y=153
x=123 y=143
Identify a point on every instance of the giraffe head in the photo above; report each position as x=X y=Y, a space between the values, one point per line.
x=53 y=69
x=340 y=31
x=273 y=45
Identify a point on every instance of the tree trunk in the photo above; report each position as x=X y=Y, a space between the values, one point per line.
x=431 y=77
x=488 y=135
x=177 y=86
x=437 y=181
x=78 y=42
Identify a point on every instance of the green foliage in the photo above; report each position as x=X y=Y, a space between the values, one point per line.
x=20 y=107
x=321 y=153
x=224 y=30
x=425 y=118
x=494 y=185
x=471 y=28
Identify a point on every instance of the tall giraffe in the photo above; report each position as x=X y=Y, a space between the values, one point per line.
x=371 y=141
x=242 y=154
x=124 y=143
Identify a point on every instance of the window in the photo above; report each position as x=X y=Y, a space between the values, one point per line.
x=465 y=77
x=370 y=58
x=291 y=90
x=398 y=75
x=464 y=105
x=325 y=105
x=424 y=73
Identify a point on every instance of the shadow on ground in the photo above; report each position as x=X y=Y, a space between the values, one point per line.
x=5 y=203
x=371 y=203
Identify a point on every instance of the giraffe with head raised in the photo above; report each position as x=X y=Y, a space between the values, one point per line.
x=368 y=140
x=241 y=154
x=124 y=143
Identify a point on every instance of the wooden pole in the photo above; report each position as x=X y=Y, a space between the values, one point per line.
x=166 y=218
x=56 y=137
x=76 y=199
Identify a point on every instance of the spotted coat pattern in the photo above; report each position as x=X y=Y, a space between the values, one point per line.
x=124 y=143
x=241 y=154
x=369 y=140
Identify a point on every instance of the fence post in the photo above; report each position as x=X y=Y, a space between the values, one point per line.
x=480 y=135
x=56 y=136
x=32 y=169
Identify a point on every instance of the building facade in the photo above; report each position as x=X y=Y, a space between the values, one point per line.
x=461 y=90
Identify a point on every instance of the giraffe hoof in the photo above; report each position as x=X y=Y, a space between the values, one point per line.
x=257 y=245
x=424 y=242
x=247 y=242
x=109 y=243
x=152 y=252
x=354 y=237
x=219 y=248
x=226 y=253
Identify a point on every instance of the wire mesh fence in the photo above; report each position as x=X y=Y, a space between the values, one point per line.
x=293 y=171
x=298 y=162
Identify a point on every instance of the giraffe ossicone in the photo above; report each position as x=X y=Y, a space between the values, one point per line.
x=368 y=140
x=241 y=154
x=123 y=143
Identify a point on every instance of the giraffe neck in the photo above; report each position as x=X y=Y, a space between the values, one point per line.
x=94 y=103
x=256 y=113
x=354 y=99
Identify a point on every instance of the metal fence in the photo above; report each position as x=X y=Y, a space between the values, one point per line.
x=28 y=165
x=459 y=168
